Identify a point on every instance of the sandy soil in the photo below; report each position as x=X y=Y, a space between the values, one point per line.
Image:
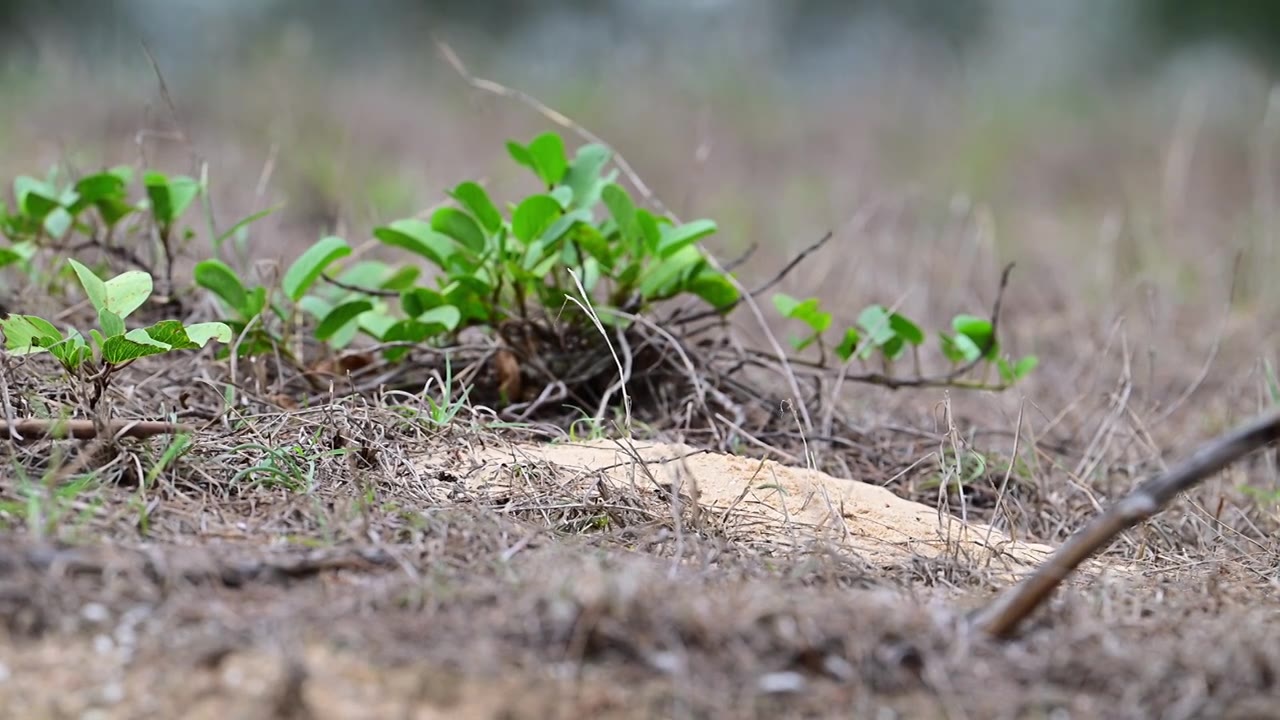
x=774 y=502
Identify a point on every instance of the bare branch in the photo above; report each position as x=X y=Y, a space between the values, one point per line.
x=1002 y=617
x=33 y=429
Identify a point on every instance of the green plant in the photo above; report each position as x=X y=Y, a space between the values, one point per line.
x=56 y=219
x=293 y=466
x=110 y=346
x=43 y=506
x=494 y=266
x=879 y=332
x=48 y=213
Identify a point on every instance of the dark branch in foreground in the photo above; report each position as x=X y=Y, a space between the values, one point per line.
x=1001 y=618
x=32 y=429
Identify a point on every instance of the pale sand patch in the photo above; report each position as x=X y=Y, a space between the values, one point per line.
x=786 y=504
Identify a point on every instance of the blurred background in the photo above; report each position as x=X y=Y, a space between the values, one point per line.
x=1121 y=152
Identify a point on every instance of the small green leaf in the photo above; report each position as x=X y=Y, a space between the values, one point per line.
x=785 y=304
x=905 y=329
x=111 y=323
x=549 y=240
x=24 y=334
x=315 y=306
x=521 y=155
x=36 y=198
x=716 y=290
x=533 y=216
x=203 y=333
x=660 y=280
x=475 y=284
x=456 y=224
x=71 y=352
x=650 y=233
x=304 y=271
x=594 y=244
x=57 y=223
x=416 y=301
x=377 y=323
x=474 y=198
x=806 y=311
x=849 y=344
x=411 y=331
x=893 y=349
x=1005 y=368
x=17 y=252
x=446 y=316
x=171 y=334
x=217 y=277
x=417 y=237
x=960 y=348
x=127 y=292
x=674 y=239
x=340 y=317
x=131 y=346
x=1024 y=366
x=365 y=274
x=877 y=324
x=170 y=197
x=255 y=302
x=113 y=211
x=978 y=330
x=562 y=194
x=100 y=186
x=583 y=177
x=950 y=350
x=623 y=211
x=94 y=288
x=549 y=160
x=402 y=278
x=590 y=274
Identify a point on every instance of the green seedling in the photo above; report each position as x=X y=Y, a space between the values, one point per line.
x=879 y=332
x=111 y=345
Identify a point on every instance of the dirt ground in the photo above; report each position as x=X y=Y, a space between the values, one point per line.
x=466 y=573
x=340 y=557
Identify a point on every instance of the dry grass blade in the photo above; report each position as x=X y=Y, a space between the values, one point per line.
x=1002 y=618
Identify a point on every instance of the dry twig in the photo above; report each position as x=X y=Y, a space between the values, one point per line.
x=33 y=429
x=1002 y=617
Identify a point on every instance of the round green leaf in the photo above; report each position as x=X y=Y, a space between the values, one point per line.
x=979 y=331
x=446 y=316
x=477 y=202
x=849 y=344
x=906 y=329
x=549 y=160
x=127 y=291
x=460 y=226
x=583 y=177
x=170 y=197
x=533 y=216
